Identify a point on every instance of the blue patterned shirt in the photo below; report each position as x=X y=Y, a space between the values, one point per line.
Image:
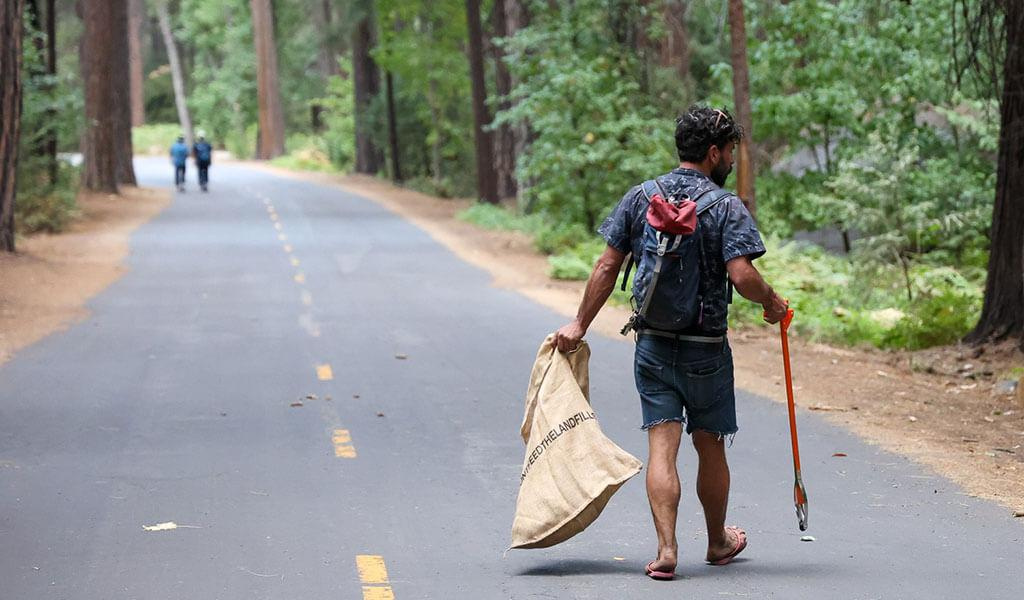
x=727 y=230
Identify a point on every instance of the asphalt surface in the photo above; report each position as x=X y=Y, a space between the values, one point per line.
x=173 y=402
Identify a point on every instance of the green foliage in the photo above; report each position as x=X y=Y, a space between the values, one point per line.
x=45 y=207
x=595 y=133
x=422 y=43
x=154 y=138
x=306 y=153
x=50 y=107
x=837 y=300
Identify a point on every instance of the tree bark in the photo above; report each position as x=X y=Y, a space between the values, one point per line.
x=177 y=76
x=99 y=140
x=327 y=57
x=136 y=12
x=11 y=32
x=741 y=96
x=51 y=70
x=120 y=66
x=486 y=178
x=271 y=112
x=366 y=80
x=504 y=138
x=1002 y=315
x=517 y=16
x=396 y=159
x=675 y=47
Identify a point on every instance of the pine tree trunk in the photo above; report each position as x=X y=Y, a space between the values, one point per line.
x=517 y=17
x=51 y=70
x=366 y=80
x=135 y=15
x=177 y=76
x=327 y=57
x=741 y=96
x=1002 y=315
x=11 y=31
x=486 y=178
x=396 y=158
x=271 y=117
x=120 y=66
x=504 y=140
x=675 y=47
x=100 y=138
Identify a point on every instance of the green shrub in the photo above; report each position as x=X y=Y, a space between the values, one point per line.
x=154 y=139
x=42 y=207
x=306 y=153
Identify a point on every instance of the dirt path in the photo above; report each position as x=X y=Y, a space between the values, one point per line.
x=949 y=420
x=46 y=284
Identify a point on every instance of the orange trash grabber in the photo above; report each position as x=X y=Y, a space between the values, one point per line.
x=799 y=493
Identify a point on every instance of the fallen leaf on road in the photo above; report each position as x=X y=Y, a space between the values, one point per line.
x=839 y=454
x=401 y=356
x=1018 y=514
x=618 y=558
x=807 y=538
x=295 y=404
x=310 y=396
x=161 y=526
x=826 y=407
x=356 y=396
x=380 y=414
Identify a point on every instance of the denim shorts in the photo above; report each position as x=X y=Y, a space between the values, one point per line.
x=687 y=382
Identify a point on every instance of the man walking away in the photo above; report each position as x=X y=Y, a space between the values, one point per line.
x=203 y=153
x=179 y=155
x=684 y=370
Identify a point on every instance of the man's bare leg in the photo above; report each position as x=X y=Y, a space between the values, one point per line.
x=713 y=492
x=663 y=490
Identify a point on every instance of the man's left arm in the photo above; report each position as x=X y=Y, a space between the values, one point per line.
x=599 y=287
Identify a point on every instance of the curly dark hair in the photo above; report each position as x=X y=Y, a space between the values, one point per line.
x=702 y=127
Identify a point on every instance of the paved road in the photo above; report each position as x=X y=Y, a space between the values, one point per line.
x=173 y=402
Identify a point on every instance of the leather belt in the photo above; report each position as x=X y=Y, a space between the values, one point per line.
x=701 y=339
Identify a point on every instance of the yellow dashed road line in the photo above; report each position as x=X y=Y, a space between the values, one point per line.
x=300 y=278
x=307 y=298
x=295 y=261
x=343 y=448
x=324 y=373
x=378 y=593
x=282 y=237
x=374 y=576
x=288 y=248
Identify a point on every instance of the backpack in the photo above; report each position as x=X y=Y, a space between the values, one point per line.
x=203 y=152
x=666 y=288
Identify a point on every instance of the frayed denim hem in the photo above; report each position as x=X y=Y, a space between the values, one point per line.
x=730 y=436
x=647 y=426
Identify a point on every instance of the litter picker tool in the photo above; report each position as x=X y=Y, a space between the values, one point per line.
x=799 y=493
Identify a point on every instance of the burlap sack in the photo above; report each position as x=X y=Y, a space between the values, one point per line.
x=571 y=469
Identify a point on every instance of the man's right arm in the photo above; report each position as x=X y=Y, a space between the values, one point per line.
x=749 y=283
x=599 y=287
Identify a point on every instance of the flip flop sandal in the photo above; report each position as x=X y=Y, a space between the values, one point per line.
x=659 y=575
x=741 y=543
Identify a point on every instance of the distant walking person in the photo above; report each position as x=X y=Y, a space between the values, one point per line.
x=179 y=154
x=203 y=153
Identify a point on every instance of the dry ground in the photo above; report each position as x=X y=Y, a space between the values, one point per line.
x=927 y=406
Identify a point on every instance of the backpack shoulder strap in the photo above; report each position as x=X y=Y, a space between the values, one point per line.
x=710 y=199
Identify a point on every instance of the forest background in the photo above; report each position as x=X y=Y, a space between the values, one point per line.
x=876 y=129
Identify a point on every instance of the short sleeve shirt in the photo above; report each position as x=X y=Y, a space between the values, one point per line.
x=727 y=232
